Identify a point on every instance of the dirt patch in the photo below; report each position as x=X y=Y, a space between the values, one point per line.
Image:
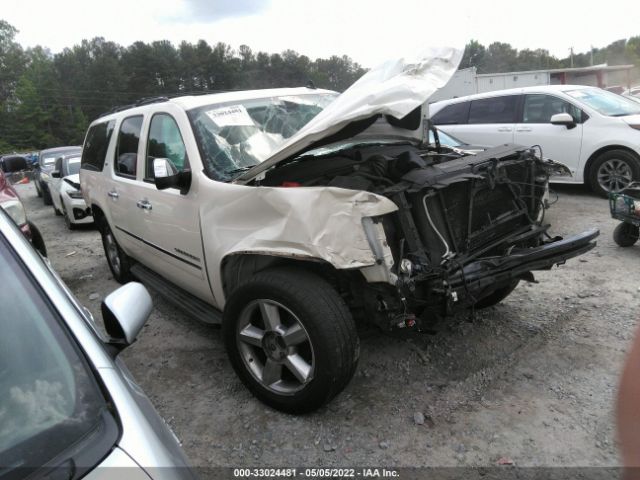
x=532 y=379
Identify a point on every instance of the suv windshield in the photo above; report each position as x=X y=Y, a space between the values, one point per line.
x=233 y=137
x=604 y=102
x=49 y=400
x=73 y=166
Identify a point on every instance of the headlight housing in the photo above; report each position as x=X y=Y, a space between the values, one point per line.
x=15 y=209
x=76 y=194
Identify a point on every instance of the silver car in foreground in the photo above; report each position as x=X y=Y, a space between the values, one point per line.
x=69 y=408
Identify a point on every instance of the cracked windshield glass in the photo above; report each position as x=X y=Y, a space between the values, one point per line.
x=236 y=136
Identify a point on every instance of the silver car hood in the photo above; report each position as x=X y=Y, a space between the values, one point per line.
x=395 y=88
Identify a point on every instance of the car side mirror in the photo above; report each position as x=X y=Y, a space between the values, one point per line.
x=55 y=174
x=563 y=119
x=166 y=175
x=124 y=312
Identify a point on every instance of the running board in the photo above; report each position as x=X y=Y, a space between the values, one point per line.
x=188 y=303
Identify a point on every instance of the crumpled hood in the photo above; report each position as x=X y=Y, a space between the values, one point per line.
x=395 y=87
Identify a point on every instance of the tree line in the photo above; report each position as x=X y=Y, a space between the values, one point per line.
x=49 y=99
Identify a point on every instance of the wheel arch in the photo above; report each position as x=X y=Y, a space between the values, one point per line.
x=237 y=268
x=592 y=158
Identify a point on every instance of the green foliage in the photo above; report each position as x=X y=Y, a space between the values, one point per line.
x=48 y=100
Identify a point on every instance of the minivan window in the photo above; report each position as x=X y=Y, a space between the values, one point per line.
x=127 y=148
x=165 y=141
x=96 y=145
x=50 y=402
x=605 y=103
x=540 y=108
x=494 y=110
x=452 y=114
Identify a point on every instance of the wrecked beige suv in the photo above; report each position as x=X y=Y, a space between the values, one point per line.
x=286 y=214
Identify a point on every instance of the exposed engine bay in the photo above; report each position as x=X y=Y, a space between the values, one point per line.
x=468 y=228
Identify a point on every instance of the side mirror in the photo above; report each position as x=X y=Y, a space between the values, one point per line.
x=563 y=119
x=124 y=312
x=14 y=164
x=166 y=175
x=55 y=174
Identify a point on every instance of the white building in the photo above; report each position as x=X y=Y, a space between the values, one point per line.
x=467 y=81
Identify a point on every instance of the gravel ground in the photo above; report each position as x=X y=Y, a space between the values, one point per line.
x=532 y=379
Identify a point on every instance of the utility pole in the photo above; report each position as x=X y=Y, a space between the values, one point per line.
x=571 y=55
x=591 y=55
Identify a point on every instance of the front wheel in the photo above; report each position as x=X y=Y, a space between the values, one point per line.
x=119 y=262
x=613 y=171
x=496 y=296
x=291 y=339
x=626 y=234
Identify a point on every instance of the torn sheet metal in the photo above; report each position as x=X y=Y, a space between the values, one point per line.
x=316 y=223
x=395 y=88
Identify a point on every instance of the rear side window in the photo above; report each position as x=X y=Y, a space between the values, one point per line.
x=540 y=108
x=165 y=141
x=452 y=114
x=494 y=110
x=95 y=146
x=126 y=161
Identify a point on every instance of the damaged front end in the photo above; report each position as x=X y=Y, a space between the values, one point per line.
x=467 y=228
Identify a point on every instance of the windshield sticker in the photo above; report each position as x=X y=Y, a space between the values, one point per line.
x=235 y=115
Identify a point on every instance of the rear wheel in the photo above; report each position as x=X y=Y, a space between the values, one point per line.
x=497 y=296
x=626 y=234
x=38 y=188
x=291 y=339
x=119 y=262
x=46 y=196
x=612 y=171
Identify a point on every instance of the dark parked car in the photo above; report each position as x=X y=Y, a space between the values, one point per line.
x=46 y=162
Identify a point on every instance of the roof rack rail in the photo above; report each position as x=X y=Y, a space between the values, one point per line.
x=150 y=100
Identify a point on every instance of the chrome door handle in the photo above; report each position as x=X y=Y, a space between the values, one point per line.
x=144 y=204
x=523 y=129
x=504 y=129
x=113 y=194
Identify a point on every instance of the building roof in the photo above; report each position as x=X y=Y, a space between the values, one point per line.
x=592 y=68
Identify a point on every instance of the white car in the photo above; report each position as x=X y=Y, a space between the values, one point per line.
x=291 y=212
x=594 y=132
x=64 y=187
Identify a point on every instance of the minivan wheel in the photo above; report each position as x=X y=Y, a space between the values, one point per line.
x=291 y=339
x=612 y=171
x=119 y=262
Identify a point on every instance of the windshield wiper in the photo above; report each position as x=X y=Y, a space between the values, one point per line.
x=238 y=170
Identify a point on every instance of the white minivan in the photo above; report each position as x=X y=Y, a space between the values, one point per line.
x=594 y=132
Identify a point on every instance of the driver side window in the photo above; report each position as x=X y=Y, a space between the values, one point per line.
x=165 y=141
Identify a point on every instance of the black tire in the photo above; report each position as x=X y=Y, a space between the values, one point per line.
x=46 y=196
x=626 y=234
x=37 y=241
x=38 y=189
x=497 y=296
x=55 y=209
x=613 y=157
x=70 y=225
x=120 y=269
x=326 y=320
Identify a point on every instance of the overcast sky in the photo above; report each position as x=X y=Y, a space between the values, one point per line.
x=366 y=30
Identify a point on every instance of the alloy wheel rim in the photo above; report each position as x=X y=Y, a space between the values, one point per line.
x=275 y=347
x=614 y=175
x=112 y=252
